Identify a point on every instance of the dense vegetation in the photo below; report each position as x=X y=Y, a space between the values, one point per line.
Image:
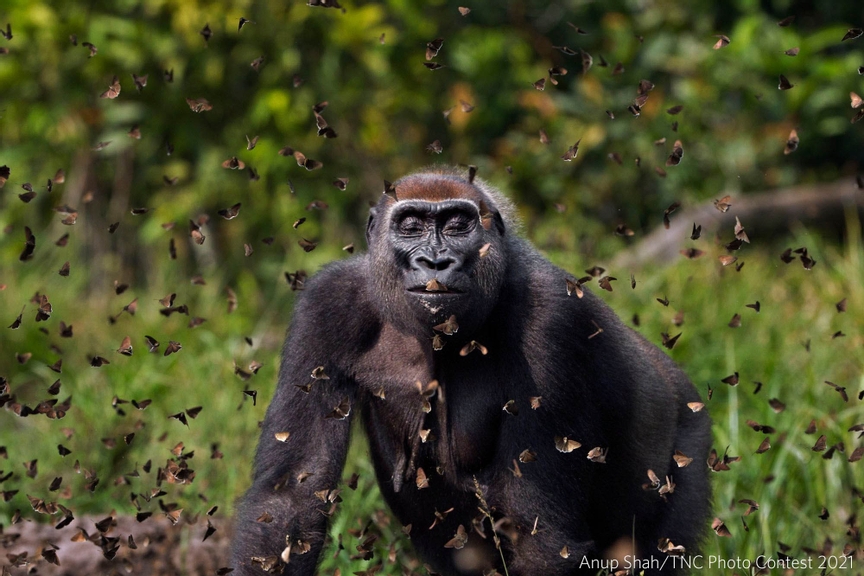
x=260 y=82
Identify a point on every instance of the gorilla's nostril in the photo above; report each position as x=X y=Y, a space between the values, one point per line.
x=443 y=263
x=436 y=264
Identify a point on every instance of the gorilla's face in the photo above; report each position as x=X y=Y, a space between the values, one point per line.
x=436 y=247
x=436 y=257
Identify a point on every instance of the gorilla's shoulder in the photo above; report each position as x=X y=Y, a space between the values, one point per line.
x=540 y=288
x=335 y=303
x=342 y=275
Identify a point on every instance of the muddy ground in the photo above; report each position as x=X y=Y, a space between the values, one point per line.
x=157 y=548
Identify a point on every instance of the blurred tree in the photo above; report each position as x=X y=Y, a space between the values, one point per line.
x=366 y=61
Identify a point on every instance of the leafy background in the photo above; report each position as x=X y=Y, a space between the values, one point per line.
x=367 y=62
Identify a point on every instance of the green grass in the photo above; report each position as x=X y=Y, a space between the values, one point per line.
x=791 y=482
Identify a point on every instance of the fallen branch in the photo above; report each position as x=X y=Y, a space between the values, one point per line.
x=764 y=215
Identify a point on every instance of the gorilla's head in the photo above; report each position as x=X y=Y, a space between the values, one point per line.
x=437 y=250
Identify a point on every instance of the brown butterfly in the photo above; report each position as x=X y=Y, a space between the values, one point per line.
x=459 y=539
x=676 y=155
x=422 y=481
x=17 y=322
x=307 y=163
x=666 y=213
x=587 y=61
x=840 y=389
x=126 y=347
x=199 y=104
x=732 y=379
x=606 y=282
x=433 y=47
x=598 y=454
x=234 y=164
x=390 y=190
x=681 y=459
x=723 y=204
x=574 y=286
x=230 y=213
x=471 y=346
x=140 y=81
x=323 y=129
x=720 y=528
x=172 y=348
x=319 y=374
x=527 y=456
x=341 y=411
x=669 y=341
x=722 y=42
x=195 y=233
x=571 y=152
x=45 y=309
x=820 y=445
x=29 y=245
x=448 y=327
x=565 y=444
x=317 y=205
x=791 y=143
x=692 y=253
x=851 y=34
x=511 y=408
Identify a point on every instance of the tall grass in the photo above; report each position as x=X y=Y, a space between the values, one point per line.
x=789 y=346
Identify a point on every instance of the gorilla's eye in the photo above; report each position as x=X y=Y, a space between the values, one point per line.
x=412 y=226
x=459 y=225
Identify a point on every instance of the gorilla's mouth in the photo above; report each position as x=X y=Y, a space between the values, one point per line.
x=442 y=290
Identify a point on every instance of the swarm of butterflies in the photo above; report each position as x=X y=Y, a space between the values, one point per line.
x=118 y=539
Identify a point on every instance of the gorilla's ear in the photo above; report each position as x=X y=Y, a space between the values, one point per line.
x=370 y=226
x=487 y=213
x=499 y=222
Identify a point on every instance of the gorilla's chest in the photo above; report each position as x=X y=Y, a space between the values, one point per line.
x=430 y=409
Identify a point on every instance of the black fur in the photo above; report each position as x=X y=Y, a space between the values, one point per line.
x=610 y=389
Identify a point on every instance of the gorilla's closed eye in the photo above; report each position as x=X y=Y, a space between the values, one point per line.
x=460 y=224
x=412 y=226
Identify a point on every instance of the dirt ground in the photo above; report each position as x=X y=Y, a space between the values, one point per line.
x=157 y=548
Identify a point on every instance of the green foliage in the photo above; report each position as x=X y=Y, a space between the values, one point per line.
x=367 y=62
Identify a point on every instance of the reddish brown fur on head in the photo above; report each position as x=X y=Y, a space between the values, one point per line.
x=436 y=188
x=440 y=184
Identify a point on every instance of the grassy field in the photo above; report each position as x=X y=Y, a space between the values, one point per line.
x=791 y=346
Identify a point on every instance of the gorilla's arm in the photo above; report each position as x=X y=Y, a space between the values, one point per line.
x=282 y=507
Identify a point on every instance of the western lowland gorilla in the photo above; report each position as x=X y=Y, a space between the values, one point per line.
x=513 y=420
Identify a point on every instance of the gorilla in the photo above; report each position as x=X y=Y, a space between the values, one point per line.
x=514 y=422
